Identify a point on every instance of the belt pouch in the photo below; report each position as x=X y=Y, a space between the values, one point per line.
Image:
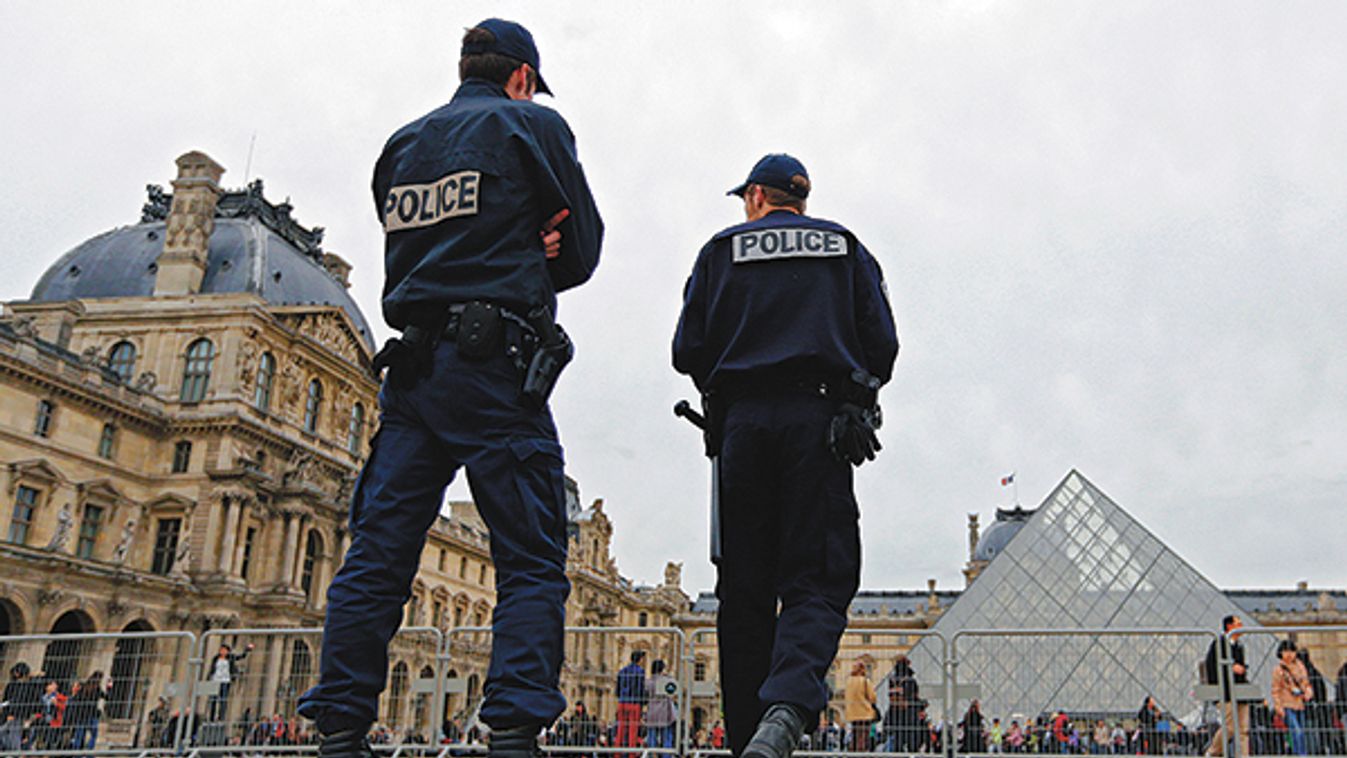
x=479 y=330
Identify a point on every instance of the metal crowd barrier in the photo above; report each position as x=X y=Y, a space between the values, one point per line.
x=123 y=692
x=1081 y=690
x=598 y=720
x=910 y=698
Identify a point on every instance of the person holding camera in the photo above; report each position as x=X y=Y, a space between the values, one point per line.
x=1291 y=690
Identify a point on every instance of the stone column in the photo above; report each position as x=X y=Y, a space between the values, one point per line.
x=297 y=570
x=230 y=524
x=236 y=562
x=286 y=570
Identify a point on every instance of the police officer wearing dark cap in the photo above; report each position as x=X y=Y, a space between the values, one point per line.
x=487 y=216
x=787 y=331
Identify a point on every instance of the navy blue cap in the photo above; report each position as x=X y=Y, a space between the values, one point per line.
x=775 y=170
x=512 y=40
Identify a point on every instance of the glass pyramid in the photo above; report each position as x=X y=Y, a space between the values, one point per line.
x=1081 y=562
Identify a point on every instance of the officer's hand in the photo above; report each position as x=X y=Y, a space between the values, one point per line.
x=851 y=435
x=551 y=237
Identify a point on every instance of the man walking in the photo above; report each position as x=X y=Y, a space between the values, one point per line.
x=786 y=330
x=487 y=216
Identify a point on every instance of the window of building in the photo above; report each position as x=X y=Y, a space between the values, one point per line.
x=21 y=520
x=643 y=619
x=444 y=556
x=249 y=537
x=165 y=545
x=481 y=574
x=312 y=547
x=122 y=360
x=182 y=456
x=414 y=610
x=458 y=616
x=106 y=441
x=196 y=371
x=699 y=671
x=266 y=374
x=312 y=405
x=437 y=614
x=463 y=567
x=42 y=425
x=90 y=526
x=355 y=434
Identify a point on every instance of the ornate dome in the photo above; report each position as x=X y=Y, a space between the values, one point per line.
x=1008 y=524
x=255 y=247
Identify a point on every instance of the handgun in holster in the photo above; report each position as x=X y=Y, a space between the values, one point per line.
x=553 y=352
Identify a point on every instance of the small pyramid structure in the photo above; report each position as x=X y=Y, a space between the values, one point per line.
x=1082 y=562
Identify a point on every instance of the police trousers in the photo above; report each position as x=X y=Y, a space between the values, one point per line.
x=790 y=533
x=465 y=414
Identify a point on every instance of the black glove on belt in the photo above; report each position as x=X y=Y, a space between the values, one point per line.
x=851 y=435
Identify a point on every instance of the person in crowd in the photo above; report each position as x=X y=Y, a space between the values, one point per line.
x=973 y=727
x=1291 y=691
x=718 y=736
x=85 y=710
x=1318 y=712
x=904 y=703
x=1148 y=719
x=1059 y=732
x=1232 y=650
x=155 y=720
x=860 y=705
x=996 y=735
x=1099 y=738
x=630 y=698
x=661 y=712
x=54 y=704
x=22 y=703
x=579 y=729
x=1014 y=737
x=224 y=669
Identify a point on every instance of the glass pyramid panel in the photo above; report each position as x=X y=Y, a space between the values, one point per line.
x=1081 y=562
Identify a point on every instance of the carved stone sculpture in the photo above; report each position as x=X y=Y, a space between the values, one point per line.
x=65 y=523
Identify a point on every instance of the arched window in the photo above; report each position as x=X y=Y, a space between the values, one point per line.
x=266 y=374
x=312 y=405
x=356 y=432
x=122 y=360
x=313 y=548
x=130 y=672
x=301 y=672
x=196 y=371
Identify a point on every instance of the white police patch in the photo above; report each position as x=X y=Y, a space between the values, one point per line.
x=411 y=206
x=776 y=244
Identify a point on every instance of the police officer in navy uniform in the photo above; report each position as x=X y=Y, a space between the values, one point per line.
x=787 y=331
x=487 y=215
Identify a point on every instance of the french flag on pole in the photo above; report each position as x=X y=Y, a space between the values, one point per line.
x=1008 y=479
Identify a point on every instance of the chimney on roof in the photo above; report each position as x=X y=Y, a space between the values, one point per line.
x=1302 y=585
x=191 y=219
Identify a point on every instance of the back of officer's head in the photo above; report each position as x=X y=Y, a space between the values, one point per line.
x=493 y=67
x=780 y=198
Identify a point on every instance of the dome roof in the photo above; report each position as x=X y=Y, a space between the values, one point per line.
x=255 y=247
x=995 y=538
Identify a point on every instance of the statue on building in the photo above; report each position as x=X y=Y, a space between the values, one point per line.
x=147 y=381
x=123 y=548
x=182 y=558
x=673 y=574
x=65 y=523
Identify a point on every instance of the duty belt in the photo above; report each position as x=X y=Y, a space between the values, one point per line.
x=455 y=318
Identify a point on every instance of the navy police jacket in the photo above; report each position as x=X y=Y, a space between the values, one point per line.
x=786 y=297
x=462 y=194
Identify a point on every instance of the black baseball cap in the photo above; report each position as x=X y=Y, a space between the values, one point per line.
x=512 y=40
x=775 y=170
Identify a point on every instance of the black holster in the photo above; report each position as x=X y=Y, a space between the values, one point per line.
x=553 y=351
x=409 y=357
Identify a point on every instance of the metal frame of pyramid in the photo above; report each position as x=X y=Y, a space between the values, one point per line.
x=1082 y=562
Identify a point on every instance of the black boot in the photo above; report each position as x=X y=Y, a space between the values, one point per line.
x=778 y=733
x=515 y=742
x=348 y=743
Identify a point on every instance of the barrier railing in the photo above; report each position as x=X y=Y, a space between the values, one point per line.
x=1081 y=690
x=910 y=697
x=1263 y=723
x=113 y=693
x=604 y=715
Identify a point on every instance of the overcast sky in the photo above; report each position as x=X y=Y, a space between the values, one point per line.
x=1112 y=231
